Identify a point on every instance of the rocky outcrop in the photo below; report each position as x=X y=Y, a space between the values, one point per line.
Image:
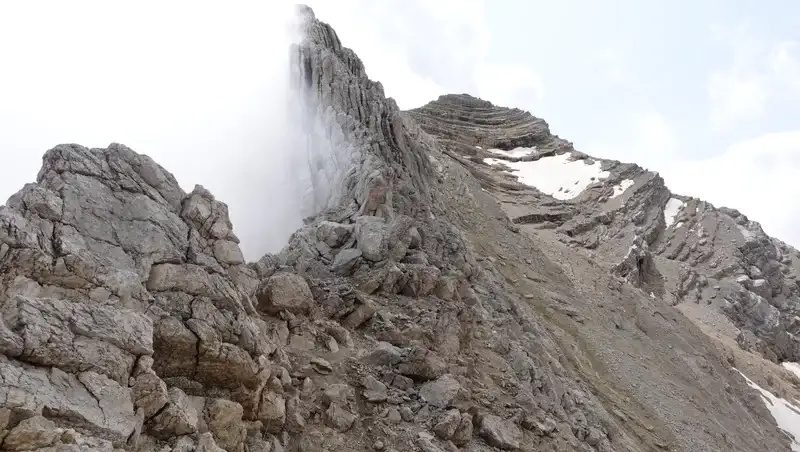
x=462 y=119
x=409 y=314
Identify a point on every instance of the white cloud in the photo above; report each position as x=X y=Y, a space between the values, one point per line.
x=760 y=71
x=609 y=64
x=509 y=85
x=785 y=63
x=654 y=135
x=650 y=141
x=735 y=95
x=740 y=91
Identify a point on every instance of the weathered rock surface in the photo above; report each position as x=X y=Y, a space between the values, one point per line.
x=409 y=314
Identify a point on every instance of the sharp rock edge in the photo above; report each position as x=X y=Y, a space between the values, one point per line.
x=429 y=301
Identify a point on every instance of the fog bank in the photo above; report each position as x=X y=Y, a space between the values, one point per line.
x=202 y=88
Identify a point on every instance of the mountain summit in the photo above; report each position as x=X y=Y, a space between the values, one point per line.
x=468 y=281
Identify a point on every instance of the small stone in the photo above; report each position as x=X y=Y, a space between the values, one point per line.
x=394 y=399
x=379 y=445
x=295 y=421
x=384 y=354
x=333 y=346
x=423 y=365
x=402 y=382
x=345 y=260
x=372 y=237
x=339 y=418
x=594 y=437
x=374 y=390
x=499 y=433
x=286 y=377
x=69 y=436
x=184 y=444
x=463 y=433
x=406 y=414
x=360 y=315
x=206 y=443
x=447 y=423
x=333 y=234
x=394 y=416
x=32 y=433
x=178 y=418
x=440 y=392
x=547 y=426
x=425 y=443
x=321 y=366
x=308 y=385
x=337 y=393
x=272 y=411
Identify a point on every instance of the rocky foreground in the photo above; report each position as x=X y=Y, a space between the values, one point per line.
x=440 y=304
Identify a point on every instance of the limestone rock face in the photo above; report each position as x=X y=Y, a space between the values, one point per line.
x=412 y=311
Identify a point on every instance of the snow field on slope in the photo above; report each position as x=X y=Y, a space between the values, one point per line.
x=621 y=187
x=556 y=176
x=671 y=210
x=514 y=153
x=786 y=415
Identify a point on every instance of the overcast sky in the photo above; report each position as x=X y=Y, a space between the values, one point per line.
x=707 y=93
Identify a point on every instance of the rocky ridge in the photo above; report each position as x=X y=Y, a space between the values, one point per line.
x=414 y=313
x=679 y=247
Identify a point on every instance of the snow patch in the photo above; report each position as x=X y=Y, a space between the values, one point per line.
x=514 y=153
x=793 y=368
x=679 y=224
x=478 y=147
x=621 y=187
x=557 y=175
x=787 y=415
x=671 y=210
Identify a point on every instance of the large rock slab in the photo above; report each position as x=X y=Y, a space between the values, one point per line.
x=74 y=336
x=89 y=400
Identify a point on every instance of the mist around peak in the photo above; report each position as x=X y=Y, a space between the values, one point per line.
x=210 y=99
